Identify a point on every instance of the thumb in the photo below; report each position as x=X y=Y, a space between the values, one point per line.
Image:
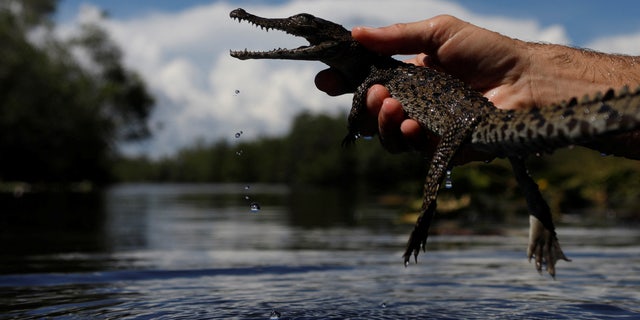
x=425 y=36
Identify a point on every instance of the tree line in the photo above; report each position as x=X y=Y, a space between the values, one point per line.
x=573 y=180
x=310 y=153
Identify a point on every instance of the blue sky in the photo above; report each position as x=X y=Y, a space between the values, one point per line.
x=181 y=49
x=583 y=19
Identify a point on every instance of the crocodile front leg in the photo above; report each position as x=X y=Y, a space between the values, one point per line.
x=418 y=237
x=543 y=243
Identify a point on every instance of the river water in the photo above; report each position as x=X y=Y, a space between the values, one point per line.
x=200 y=252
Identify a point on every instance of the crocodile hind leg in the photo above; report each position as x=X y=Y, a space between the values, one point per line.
x=543 y=243
x=442 y=156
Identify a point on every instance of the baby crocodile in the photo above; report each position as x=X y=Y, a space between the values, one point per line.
x=459 y=116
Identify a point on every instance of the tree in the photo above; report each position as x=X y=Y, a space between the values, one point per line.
x=60 y=119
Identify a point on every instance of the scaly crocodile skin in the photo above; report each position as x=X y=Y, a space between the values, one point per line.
x=459 y=116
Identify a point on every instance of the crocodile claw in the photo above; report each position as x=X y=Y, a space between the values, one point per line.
x=544 y=247
x=419 y=235
x=416 y=242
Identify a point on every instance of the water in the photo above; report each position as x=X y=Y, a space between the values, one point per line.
x=448 y=183
x=196 y=252
x=254 y=207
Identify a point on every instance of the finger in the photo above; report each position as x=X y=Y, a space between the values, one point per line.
x=400 y=38
x=408 y=38
x=421 y=60
x=390 y=118
x=425 y=60
x=331 y=82
x=412 y=131
x=374 y=98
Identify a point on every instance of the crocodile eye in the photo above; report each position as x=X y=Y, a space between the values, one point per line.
x=303 y=18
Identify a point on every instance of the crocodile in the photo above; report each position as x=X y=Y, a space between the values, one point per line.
x=459 y=116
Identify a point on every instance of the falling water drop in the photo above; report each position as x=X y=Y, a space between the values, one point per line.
x=254 y=206
x=237 y=92
x=239 y=153
x=247 y=187
x=447 y=180
x=275 y=315
x=238 y=134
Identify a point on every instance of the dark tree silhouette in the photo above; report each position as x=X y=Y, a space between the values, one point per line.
x=59 y=118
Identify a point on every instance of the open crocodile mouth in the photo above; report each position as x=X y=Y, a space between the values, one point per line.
x=294 y=25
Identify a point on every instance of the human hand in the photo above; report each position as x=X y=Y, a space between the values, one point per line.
x=511 y=73
x=489 y=62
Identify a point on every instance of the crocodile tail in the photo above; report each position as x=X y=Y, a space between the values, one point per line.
x=567 y=123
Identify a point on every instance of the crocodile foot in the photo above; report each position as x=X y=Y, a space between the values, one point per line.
x=543 y=247
x=417 y=241
x=420 y=233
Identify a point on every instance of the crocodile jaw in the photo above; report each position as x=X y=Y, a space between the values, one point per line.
x=301 y=53
x=325 y=37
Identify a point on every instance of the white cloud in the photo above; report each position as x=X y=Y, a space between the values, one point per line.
x=623 y=44
x=184 y=58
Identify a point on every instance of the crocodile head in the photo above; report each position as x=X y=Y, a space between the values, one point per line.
x=325 y=37
x=329 y=43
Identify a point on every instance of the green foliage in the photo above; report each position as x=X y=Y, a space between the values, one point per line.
x=122 y=94
x=580 y=178
x=309 y=154
x=58 y=118
x=25 y=14
x=572 y=180
x=314 y=152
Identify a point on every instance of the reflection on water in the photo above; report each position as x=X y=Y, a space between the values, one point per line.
x=36 y=223
x=197 y=251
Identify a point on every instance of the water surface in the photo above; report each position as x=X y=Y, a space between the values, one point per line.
x=199 y=252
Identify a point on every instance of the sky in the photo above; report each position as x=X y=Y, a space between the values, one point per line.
x=181 y=49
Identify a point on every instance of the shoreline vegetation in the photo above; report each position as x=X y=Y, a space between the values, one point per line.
x=574 y=180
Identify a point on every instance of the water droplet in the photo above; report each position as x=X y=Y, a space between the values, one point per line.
x=275 y=315
x=247 y=187
x=383 y=305
x=254 y=206
x=247 y=197
x=447 y=180
x=239 y=153
x=237 y=91
x=238 y=134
